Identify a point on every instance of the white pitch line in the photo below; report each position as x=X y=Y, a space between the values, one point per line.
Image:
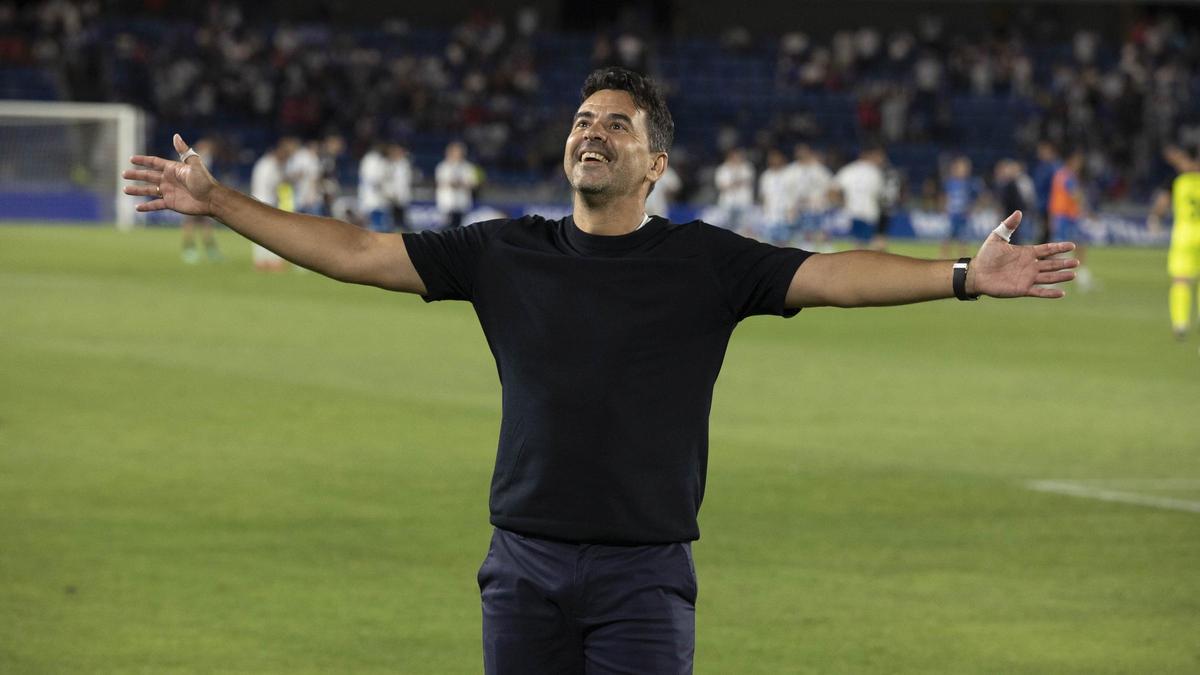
x=1152 y=483
x=1074 y=489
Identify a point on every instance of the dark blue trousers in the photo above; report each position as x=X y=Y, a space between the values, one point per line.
x=553 y=608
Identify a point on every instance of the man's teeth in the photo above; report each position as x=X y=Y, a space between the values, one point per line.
x=593 y=155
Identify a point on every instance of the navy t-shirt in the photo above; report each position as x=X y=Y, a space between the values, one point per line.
x=608 y=348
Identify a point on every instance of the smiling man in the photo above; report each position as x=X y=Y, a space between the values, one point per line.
x=608 y=328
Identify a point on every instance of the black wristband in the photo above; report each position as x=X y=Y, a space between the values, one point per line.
x=960 y=280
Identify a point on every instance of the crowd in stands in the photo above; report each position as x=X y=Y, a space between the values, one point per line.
x=1120 y=103
x=506 y=85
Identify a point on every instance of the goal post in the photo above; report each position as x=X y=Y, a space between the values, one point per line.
x=63 y=161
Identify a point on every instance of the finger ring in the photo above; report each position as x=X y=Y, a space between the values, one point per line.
x=159 y=188
x=191 y=152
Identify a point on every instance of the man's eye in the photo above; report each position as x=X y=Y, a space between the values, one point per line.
x=618 y=125
x=581 y=123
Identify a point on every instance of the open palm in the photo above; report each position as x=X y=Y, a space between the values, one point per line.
x=185 y=187
x=1003 y=270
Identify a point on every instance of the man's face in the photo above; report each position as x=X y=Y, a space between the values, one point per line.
x=608 y=149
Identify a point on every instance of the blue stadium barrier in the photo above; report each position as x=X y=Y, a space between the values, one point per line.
x=55 y=205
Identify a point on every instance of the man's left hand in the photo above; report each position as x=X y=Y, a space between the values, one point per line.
x=1003 y=270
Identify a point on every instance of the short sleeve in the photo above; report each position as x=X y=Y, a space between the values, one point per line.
x=448 y=261
x=753 y=276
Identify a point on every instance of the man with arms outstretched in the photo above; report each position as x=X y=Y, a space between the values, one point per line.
x=608 y=328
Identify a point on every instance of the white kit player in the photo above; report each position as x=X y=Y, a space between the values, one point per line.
x=811 y=181
x=735 y=190
x=269 y=185
x=778 y=198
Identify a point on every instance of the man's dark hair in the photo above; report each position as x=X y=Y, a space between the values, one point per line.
x=645 y=95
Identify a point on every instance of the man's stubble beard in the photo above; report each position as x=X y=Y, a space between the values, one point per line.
x=598 y=191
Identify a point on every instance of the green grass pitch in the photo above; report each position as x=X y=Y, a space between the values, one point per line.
x=205 y=469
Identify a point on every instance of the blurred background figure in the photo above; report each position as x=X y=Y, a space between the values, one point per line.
x=457 y=178
x=735 y=190
x=891 y=202
x=1048 y=163
x=1067 y=207
x=269 y=185
x=195 y=225
x=1183 y=258
x=332 y=149
x=810 y=182
x=959 y=192
x=1015 y=192
x=777 y=196
x=372 y=190
x=304 y=171
x=664 y=192
x=859 y=185
x=400 y=185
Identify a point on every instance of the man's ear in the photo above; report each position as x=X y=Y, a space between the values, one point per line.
x=657 y=168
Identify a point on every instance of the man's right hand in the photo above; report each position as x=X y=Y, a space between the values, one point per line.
x=185 y=187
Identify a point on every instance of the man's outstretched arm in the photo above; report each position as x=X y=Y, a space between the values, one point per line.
x=332 y=247
x=871 y=278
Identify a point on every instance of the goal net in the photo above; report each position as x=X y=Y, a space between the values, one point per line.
x=63 y=161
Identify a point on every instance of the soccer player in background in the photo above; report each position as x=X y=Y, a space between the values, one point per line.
x=1014 y=189
x=193 y=224
x=860 y=185
x=304 y=172
x=1183 y=258
x=1047 y=165
x=959 y=192
x=456 y=180
x=608 y=328
x=735 y=190
x=400 y=181
x=372 y=190
x=332 y=149
x=810 y=180
x=777 y=197
x=1066 y=209
x=269 y=185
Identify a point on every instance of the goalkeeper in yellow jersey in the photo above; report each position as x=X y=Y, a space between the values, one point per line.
x=1183 y=260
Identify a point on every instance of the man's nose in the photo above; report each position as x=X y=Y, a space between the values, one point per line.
x=595 y=131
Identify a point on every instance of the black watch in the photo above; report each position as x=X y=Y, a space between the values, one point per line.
x=960 y=280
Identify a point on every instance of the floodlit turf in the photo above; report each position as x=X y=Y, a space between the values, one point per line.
x=205 y=469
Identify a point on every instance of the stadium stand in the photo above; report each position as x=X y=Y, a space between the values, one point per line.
x=504 y=85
